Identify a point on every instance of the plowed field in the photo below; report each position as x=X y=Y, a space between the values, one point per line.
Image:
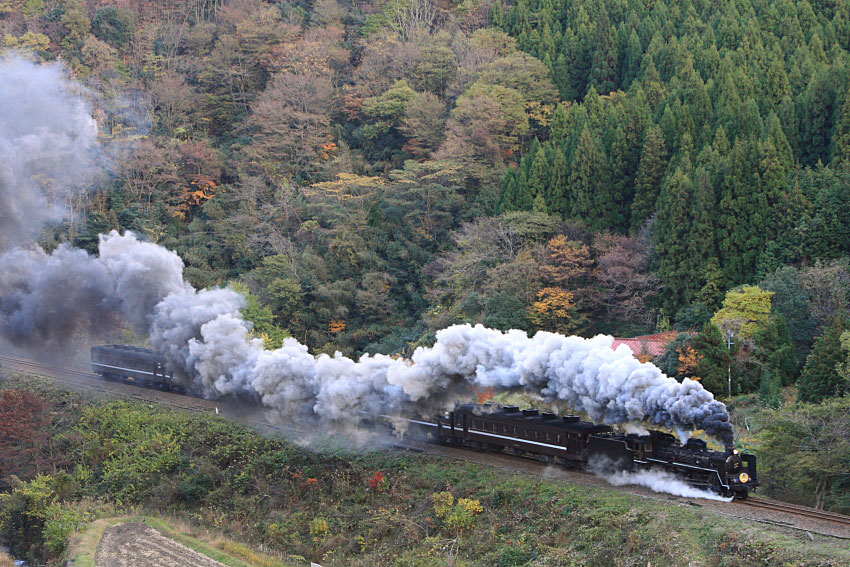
x=139 y=545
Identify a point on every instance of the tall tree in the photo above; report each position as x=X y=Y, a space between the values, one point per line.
x=590 y=186
x=653 y=163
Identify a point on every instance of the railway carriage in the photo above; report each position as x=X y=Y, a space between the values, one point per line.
x=133 y=365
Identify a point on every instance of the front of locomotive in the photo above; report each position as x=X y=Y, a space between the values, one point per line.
x=740 y=469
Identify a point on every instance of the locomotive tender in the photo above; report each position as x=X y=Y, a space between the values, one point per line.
x=133 y=365
x=573 y=443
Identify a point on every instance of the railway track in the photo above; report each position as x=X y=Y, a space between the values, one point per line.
x=81 y=379
x=797 y=510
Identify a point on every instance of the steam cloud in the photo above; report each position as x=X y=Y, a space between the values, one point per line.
x=47 y=136
x=661 y=481
x=47 y=298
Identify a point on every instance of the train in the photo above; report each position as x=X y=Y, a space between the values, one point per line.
x=566 y=440
x=570 y=442
x=133 y=365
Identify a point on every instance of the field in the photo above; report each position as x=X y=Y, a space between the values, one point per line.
x=136 y=544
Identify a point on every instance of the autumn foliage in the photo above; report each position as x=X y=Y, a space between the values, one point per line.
x=24 y=434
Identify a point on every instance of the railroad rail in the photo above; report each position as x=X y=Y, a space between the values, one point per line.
x=797 y=510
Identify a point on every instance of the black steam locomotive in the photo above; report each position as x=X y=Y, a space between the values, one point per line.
x=133 y=365
x=573 y=443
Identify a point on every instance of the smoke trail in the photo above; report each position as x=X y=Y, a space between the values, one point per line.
x=47 y=136
x=45 y=299
x=202 y=332
x=661 y=481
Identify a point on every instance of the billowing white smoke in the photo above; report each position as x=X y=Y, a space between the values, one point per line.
x=45 y=299
x=660 y=481
x=47 y=143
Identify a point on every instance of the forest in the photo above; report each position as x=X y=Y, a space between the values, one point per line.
x=369 y=172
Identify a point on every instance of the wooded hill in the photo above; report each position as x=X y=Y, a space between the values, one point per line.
x=376 y=170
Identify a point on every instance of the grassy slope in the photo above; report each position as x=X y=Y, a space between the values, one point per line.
x=272 y=492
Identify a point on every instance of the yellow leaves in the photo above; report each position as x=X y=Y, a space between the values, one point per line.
x=31 y=41
x=554 y=301
x=539 y=112
x=443 y=504
x=318 y=528
x=554 y=310
x=336 y=326
x=689 y=358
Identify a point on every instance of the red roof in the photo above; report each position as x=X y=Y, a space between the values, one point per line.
x=652 y=345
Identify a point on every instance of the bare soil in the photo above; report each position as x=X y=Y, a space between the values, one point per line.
x=136 y=544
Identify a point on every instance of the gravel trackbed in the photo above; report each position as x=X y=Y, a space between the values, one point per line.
x=138 y=545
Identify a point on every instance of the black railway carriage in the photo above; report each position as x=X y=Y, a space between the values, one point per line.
x=571 y=442
x=133 y=365
x=546 y=436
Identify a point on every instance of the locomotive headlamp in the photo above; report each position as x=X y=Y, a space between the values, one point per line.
x=735 y=451
x=744 y=477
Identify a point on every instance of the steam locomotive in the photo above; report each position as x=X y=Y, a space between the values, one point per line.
x=565 y=441
x=573 y=443
x=133 y=365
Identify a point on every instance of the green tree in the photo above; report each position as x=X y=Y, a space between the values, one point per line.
x=820 y=378
x=505 y=311
x=590 y=186
x=112 y=25
x=653 y=163
x=714 y=366
x=805 y=450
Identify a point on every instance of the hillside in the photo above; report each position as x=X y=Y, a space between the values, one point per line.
x=338 y=507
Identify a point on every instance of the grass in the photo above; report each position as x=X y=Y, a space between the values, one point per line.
x=83 y=546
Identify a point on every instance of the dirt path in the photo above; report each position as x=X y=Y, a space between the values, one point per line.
x=138 y=545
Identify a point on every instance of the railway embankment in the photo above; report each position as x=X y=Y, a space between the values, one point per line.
x=337 y=506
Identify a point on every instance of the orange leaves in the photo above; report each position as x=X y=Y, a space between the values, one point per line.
x=689 y=358
x=200 y=189
x=336 y=326
x=329 y=150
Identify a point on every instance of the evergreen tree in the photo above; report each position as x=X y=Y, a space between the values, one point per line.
x=653 y=163
x=603 y=71
x=557 y=200
x=743 y=215
x=538 y=180
x=818 y=111
x=840 y=154
x=673 y=240
x=820 y=378
x=713 y=367
x=508 y=201
x=631 y=60
x=590 y=186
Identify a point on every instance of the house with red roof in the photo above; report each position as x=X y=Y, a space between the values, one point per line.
x=647 y=347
